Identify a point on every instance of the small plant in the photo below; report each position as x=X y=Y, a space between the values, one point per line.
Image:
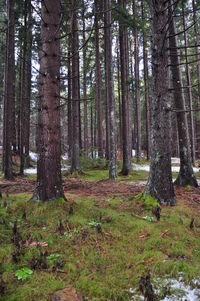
x=23 y=274
x=53 y=257
x=93 y=224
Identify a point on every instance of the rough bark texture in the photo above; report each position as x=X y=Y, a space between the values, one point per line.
x=110 y=91
x=146 y=84
x=23 y=93
x=159 y=183
x=137 y=90
x=49 y=182
x=124 y=90
x=75 y=163
x=186 y=174
x=69 y=103
x=98 y=83
x=9 y=91
x=106 y=87
x=191 y=114
x=28 y=85
x=85 y=92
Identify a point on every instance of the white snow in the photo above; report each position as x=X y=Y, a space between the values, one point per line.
x=33 y=156
x=179 y=291
x=146 y=167
x=30 y=171
x=65 y=156
x=175 y=160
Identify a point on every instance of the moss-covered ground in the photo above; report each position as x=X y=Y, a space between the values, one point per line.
x=99 y=244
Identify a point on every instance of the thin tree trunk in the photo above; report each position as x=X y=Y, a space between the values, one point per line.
x=69 y=103
x=85 y=92
x=49 y=181
x=28 y=85
x=186 y=174
x=110 y=91
x=9 y=97
x=23 y=93
x=146 y=84
x=137 y=90
x=124 y=89
x=191 y=114
x=75 y=163
x=159 y=183
x=98 y=83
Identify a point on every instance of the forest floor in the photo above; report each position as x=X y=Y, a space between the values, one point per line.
x=100 y=241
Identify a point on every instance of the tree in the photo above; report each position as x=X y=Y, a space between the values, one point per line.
x=159 y=183
x=110 y=91
x=75 y=163
x=9 y=94
x=125 y=93
x=186 y=174
x=49 y=182
x=98 y=82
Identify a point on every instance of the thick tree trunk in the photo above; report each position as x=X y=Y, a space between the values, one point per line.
x=124 y=89
x=146 y=84
x=159 y=183
x=110 y=91
x=98 y=82
x=49 y=182
x=75 y=163
x=9 y=97
x=186 y=174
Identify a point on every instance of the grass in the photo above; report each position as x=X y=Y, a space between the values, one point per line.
x=103 y=266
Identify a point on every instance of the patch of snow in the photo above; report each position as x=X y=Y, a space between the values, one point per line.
x=133 y=152
x=65 y=156
x=175 y=160
x=178 y=290
x=146 y=167
x=31 y=171
x=33 y=156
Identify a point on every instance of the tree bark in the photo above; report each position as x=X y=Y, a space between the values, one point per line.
x=69 y=103
x=137 y=90
x=146 y=84
x=49 y=182
x=98 y=82
x=110 y=91
x=159 y=183
x=9 y=97
x=124 y=90
x=191 y=114
x=186 y=174
x=75 y=163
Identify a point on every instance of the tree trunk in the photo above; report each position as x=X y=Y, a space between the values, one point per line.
x=85 y=92
x=186 y=174
x=137 y=90
x=110 y=91
x=9 y=97
x=49 y=182
x=75 y=164
x=191 y=114
x=28 y=85
x=124 y=89
x=69 y=103
x=159 y=183
x=98 y=82
x=23 y=92
x=146 y=84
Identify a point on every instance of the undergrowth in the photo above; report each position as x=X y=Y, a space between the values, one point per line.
x=101 y=248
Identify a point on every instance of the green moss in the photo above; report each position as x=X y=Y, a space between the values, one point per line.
x=148 y=200
x=91 y=260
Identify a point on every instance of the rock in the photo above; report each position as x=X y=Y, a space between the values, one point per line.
x=67 y=294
